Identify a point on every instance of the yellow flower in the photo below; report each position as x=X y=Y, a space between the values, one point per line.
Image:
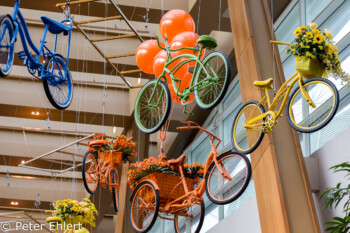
x=313 y=25
x=318 y=39
x=316 y=31
x=303 y=27
x=296 y=44
x=320 y=47
x=309 y=34
x=328 y=34
x=297 y=32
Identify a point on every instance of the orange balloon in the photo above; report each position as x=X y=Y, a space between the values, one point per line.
x=159 y=62
x=185 y=83
x=185 y=39
x=175 y=22
x=145 y=54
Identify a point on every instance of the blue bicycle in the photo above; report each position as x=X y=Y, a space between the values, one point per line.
x=54 y=72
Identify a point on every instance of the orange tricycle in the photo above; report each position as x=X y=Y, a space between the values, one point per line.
x=176 y=198
x=100 y=164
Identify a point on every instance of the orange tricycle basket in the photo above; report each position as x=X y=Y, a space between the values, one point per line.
x=115 y=156
x=166 y=185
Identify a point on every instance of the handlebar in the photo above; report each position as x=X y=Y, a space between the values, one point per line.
x=196 y=126
x=174 y=50
x=279 y=42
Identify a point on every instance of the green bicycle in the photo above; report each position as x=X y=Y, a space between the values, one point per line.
x=209 y=84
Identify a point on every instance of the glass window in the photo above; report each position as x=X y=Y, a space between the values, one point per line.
x=284 y=32
x=313 y=8
x=339 y=22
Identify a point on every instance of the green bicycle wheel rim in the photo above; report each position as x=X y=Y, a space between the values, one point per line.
x=198 y=98
x=137 y=108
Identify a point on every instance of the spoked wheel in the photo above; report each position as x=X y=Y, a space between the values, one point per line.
x=115 y=191
x=211 y=88
x=144 y=207
x=220 y=190
x=58 y=84
x=247 y=137
x=90 y=172
x=6 y=50
x=193 y=222
x=151 y=112
x=306 y=118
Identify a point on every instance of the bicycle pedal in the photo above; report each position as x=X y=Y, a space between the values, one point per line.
x=21 y=55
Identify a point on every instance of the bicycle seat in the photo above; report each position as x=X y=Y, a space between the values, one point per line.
x=96 y=144
x=54 y=26
x=176 y=163
x=264 y=84
x=207 y=42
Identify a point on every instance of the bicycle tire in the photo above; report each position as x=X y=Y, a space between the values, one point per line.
x=199 y=96
x=115 y=191
x=330 y=116
x=141 y=121
x=84 y=176
x=233 y=130
x=155 y=215
x=242 y=188
x=67 y=76
x=6 y=22
x=200 y=223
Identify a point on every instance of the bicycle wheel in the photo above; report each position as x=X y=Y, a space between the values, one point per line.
x=151 y=114
x=219 y=189
x=211 y=89
x=115 y=191
x=144 y=207
x=89 y=170
x=193 y=222
x=305 y=118
x=6 y=50
x=58 y=84
x=246 y=140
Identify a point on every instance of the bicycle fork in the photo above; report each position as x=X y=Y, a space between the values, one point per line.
x=219 y=165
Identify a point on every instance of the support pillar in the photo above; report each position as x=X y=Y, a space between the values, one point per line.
x=282 y=186
x=122 y=223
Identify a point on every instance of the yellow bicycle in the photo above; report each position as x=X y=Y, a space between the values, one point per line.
x=311 y=106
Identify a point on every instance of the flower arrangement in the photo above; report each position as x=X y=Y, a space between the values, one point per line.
x=160 y=164
x=68 y=209
x=311 y=42
x=121 y=144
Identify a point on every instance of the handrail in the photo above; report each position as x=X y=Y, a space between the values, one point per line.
x=196 y=127
x=174 y=50
x=279 y=42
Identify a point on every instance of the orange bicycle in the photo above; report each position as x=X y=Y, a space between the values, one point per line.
x=226 y=176
x=102 y=170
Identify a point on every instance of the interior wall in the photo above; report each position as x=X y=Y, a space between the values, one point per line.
x=334 y=152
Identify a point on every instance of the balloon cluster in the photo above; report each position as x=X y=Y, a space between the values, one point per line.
x=176 y=26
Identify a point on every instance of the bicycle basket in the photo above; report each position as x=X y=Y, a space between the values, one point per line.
x=309 y=68
x=114 y=155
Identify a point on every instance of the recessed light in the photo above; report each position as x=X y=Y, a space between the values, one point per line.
x=23 y=161
x=14 y=203
x=35 y=113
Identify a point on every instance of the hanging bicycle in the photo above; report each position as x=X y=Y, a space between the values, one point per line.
x=209 y=84
x=225 y=177
x=53 y=72
x=310 y=107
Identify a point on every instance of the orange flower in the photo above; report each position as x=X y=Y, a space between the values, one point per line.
x=186 y=166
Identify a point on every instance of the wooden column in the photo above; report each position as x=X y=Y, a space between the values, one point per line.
x=122 y=223
x=281 y=182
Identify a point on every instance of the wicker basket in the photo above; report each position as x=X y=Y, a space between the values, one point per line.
x=74 y=221
x=166 y=185
x=115 y=156
x=309 y=68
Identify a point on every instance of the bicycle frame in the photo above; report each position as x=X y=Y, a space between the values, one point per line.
x=198 y=192
x=283 y=92
x=170 y=72
x=34 y=63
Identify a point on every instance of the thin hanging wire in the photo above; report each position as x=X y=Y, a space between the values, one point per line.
x=199 y=12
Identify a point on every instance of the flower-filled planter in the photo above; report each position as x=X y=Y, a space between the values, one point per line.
x=119 y=150
x=72 y=214
x=158 y=170
x=316 y=55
